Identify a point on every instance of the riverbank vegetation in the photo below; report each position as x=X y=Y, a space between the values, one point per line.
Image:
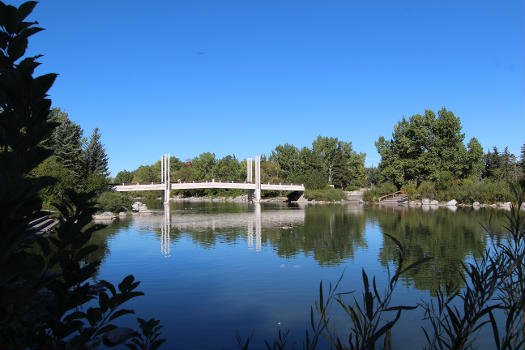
x=327 y=194
x=426 y=157
x=330 y=162
x=48 y=298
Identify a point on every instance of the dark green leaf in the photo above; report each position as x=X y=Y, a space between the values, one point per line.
x=25 y=9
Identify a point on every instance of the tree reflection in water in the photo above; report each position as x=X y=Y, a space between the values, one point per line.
x=330 y=234
x=450 y=237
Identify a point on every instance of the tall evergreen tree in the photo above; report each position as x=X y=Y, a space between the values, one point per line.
x=94 y=155
x=67 y=143
x=492 y=163
x=522 y=159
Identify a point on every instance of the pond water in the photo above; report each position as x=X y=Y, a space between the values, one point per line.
x=212 y=271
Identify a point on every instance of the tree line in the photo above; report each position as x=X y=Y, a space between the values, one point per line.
x=329 y=161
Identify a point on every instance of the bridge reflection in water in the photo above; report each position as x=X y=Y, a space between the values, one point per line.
x=254 y=219
x=165 y=233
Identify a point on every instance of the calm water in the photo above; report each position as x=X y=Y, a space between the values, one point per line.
x=211 y=271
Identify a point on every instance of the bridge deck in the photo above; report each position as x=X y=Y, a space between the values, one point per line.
x=157 y=186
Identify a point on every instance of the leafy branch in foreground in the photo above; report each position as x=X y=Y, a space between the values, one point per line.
x=45 y=281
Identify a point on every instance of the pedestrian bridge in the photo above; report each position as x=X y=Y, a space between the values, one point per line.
x=253 y=188
x=159 y=186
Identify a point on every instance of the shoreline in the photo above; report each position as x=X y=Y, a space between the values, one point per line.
x=243 y=199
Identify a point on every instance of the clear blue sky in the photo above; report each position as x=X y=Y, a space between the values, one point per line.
x=240 y=77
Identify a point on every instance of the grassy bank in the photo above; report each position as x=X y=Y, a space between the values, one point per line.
x=326 y=194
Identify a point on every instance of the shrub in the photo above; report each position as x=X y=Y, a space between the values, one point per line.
x=114 y=201
x=427 y=190
x=327 y=194
x=378 y=191
x=312 y=179
x=386 y=188
x=444 y=180
x=411 y=189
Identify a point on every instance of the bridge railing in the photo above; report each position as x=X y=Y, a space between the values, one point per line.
x=204 y=181
x=135 y=183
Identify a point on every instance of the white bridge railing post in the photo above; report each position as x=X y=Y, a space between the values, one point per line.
x=257 y=179
x=249 y=177
x=165 y=176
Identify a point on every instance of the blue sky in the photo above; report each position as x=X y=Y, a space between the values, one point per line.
x=240 y=77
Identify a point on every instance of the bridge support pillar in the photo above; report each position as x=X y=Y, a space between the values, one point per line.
x=257 y=179
x=165 y=176
x=258 y=240
x=249 y=178
x=249 y=168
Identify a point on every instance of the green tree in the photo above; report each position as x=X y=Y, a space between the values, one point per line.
x=204 y=165
x=146 y=173
x=229 y=168
x=175 y=164
x=371 y=176
x=492 y=163
x=522 y=158
x=94 y=155
x=326 y=149
x=425 y=147
x=310 y=170
x=270 y=171
x=67 y=143
x=287 y=157
x=448 y=144
x=501 y=166
x=340 y=163
x=114 y=201
x=475 y=158
x=124 y=176
x=186 y=173
x=66 y=163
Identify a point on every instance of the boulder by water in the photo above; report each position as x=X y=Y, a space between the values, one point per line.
x=140 y=207
x=425 y=201
x=434 y=202
x=452 y=203
x=476 y=204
